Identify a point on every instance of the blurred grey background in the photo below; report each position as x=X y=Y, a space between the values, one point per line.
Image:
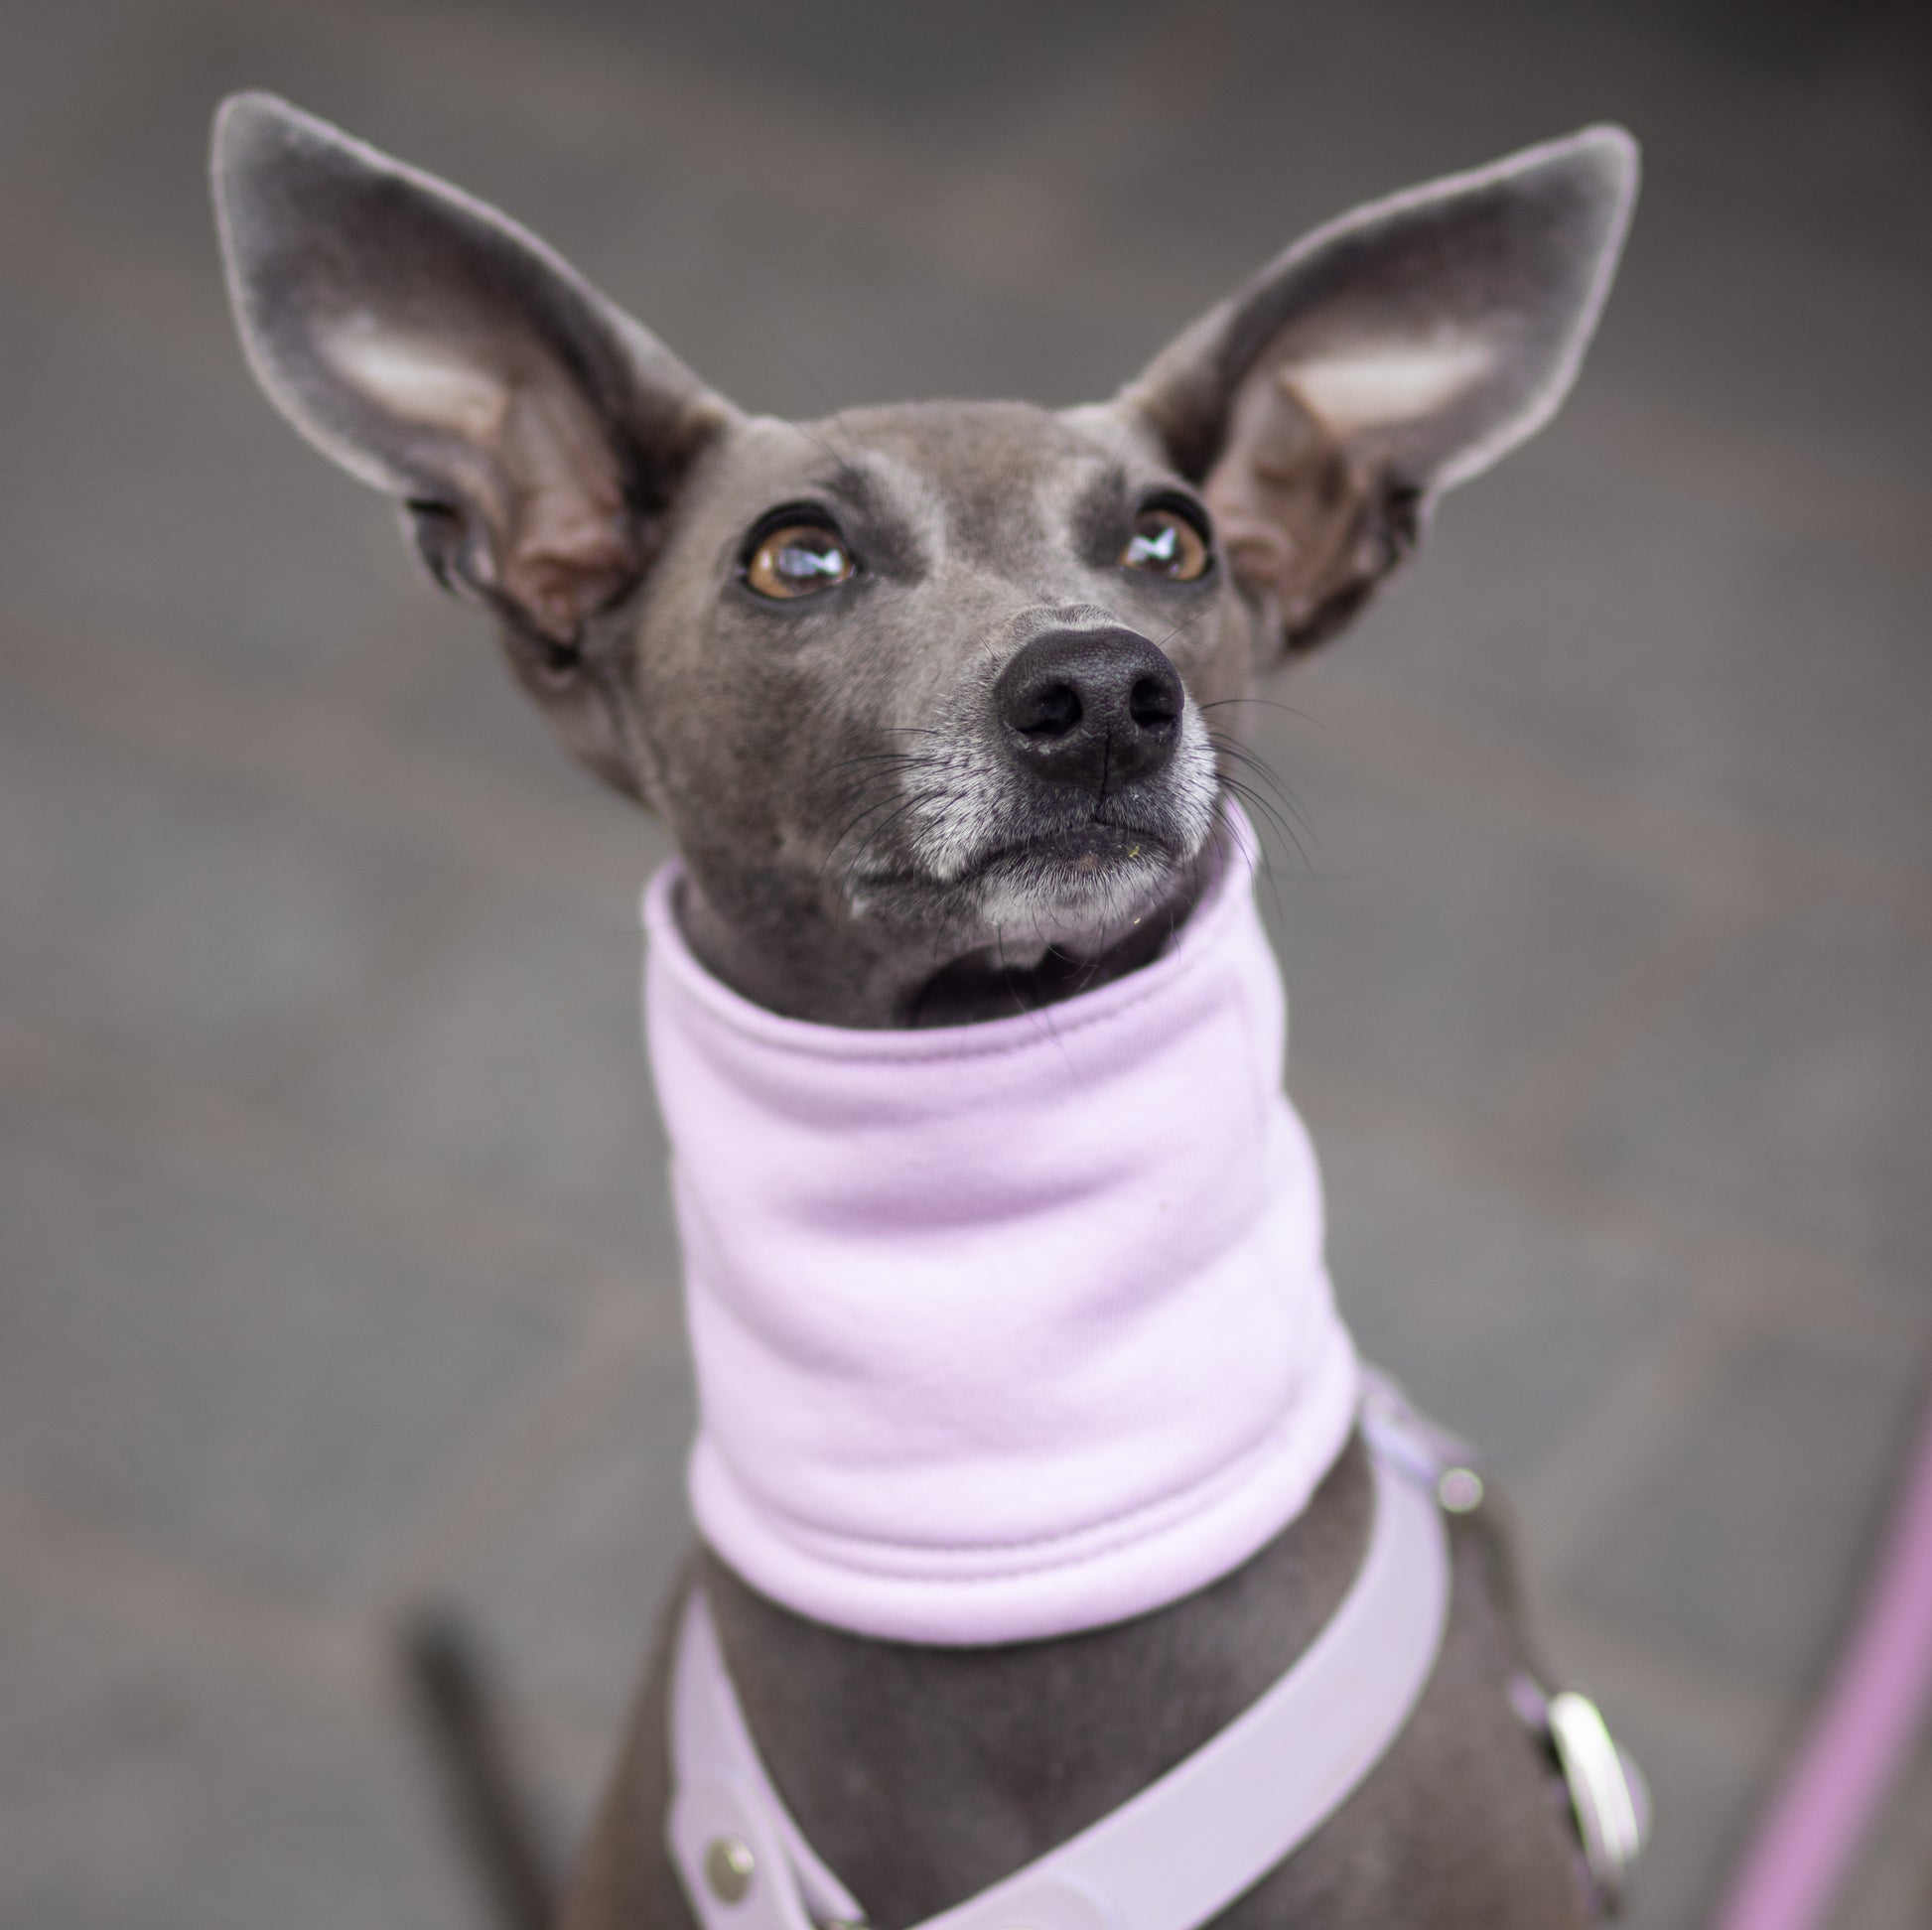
x=334 y=1264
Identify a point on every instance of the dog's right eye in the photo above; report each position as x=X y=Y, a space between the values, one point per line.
x=798 y=560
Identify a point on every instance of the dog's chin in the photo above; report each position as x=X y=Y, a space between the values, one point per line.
x=1045 y=919
x=1077 y=891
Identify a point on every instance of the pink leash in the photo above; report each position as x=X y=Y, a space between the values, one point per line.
x=1858 y=1740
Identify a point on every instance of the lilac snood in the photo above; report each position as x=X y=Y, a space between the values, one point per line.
x=1000 y=1330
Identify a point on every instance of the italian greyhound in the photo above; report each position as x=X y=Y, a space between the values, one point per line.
x=930 y=697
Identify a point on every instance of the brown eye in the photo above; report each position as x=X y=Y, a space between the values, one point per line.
x=797 y=560
x=1164 y=543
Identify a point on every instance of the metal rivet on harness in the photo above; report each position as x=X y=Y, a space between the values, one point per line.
x=727 y=1868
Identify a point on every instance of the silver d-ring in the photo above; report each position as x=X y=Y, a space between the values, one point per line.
x=1607 y=1816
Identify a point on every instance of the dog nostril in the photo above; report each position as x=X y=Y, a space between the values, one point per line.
x=1151 y=703
x=1050 y=713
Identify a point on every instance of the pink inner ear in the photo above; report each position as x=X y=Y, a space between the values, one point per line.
x=563 y=583
x=1272 y=435
x=559 y=524
x=524 y=447
x=1290 y=503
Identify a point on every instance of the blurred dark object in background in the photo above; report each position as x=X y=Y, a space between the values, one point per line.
x=462 y=1706
x=334 y=1263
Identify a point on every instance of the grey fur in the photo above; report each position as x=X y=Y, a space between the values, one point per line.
x=865 y=849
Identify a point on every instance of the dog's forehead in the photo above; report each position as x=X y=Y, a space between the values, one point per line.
x=986 y=473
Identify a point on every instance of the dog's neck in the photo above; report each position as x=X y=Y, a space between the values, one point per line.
x=1000 y=1330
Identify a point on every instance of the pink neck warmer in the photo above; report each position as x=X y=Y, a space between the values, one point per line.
x=1000 y=1330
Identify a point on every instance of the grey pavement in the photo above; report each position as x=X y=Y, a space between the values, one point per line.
x=335 y=1270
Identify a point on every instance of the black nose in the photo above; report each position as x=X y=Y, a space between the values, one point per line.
x=1090 y=707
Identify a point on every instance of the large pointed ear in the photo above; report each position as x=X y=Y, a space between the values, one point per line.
x=534 y=432
x=1387 y=357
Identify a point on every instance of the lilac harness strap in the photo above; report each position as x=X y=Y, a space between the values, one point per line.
x=1176 y=1854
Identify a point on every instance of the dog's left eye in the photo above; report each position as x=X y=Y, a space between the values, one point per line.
x=798 y=560
x=1165 y=543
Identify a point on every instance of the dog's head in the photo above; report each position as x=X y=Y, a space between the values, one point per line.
x=927 y=695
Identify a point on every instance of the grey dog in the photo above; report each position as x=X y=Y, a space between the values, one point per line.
x=725 y=615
